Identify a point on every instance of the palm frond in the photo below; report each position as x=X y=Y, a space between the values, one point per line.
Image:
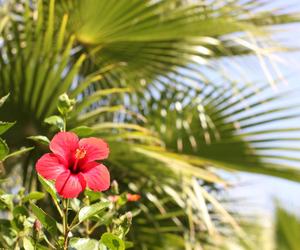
x=140 y=71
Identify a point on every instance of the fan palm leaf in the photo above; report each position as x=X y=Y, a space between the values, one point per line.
x=140 y=73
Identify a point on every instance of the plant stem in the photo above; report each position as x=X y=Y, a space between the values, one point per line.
x=48 y=242
x=65 y=209
x=17 y=243
x=57 y=207
x=65 y=223
x=87 y=227
x=92 y=229
x=65 y=123
x=74 y=223
x=87 y=223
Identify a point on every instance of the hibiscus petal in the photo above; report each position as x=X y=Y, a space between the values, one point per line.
x=97 y=177
x=70 y=185
x=96 y=149
x=87 y=166
x=49 y=166
x=64 y=145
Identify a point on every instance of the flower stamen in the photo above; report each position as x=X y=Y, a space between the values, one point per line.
x=79 y=154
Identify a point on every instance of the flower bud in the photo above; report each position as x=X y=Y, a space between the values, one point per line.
x=21 y=191
x=37 y=225
x=114 y=187
x=65 y=104
x=113 y=198
x=133 y=197
x=128 y=218
x=125 y=222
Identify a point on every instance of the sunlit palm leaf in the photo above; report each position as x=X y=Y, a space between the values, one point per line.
x=140 y=73
x=286 y=230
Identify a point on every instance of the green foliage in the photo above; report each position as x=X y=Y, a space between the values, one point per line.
x=6 y=201
x=40 y=138
x=33 y=196
x=4 y=150
x=112 y=242
x=84 y=244
x=18 y=152
x=49 y=188
x=47 y=221
x=89 y=211
x=4 y=126
x=32 y=227
x=3 y=99
x=19 y=225
x=83 y=131
x=139 y=71
x=287 y=230
x=65 y=104
x=28 y=244
x=56 y=121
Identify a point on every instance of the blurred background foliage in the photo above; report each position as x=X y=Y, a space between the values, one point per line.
x=140 y=72
x=287 y=230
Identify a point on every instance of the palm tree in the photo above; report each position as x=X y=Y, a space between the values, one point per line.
x=140 y=72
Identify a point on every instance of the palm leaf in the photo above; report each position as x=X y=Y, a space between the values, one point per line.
x=140 y=73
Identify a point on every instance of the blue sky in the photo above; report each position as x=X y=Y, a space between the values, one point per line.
x=261 y=191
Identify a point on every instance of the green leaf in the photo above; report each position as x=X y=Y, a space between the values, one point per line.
x=102 y=246
x=40 y=139
x=41 y=247
x=4 y=150
x=6 y=201
x=84 y=244
x=155 y=41
x=18 y=152
x=93 y=196
x=89 y=211
x=56 y=121
x=49 y=187
x=3 y=99
x=6 y=236
x=48 y=222
x=33 y=196
x=287 y=228
x=83 y=131
x=20 y=210
x=128 y=244
x=75 y=204
x=28 y=243
x=112 y=242
x=104 y=218
x=4 y=126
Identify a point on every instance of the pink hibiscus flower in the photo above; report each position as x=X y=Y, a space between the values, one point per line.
x=72 y=164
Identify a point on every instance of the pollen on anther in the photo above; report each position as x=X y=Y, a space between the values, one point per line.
x=80 y=153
